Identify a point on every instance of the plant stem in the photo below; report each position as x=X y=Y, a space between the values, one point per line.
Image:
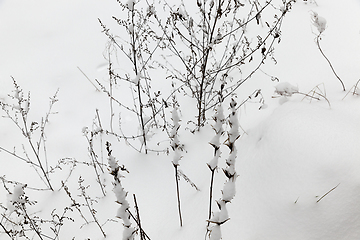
x=31 y=221
x=141 y=106
x=178 y=193
x=327 y=193
x=332 y=68
x=6 y=231
x=37 y=157
x=142 y=230
x=211 y=192
x=138 y=219
x=92 y=213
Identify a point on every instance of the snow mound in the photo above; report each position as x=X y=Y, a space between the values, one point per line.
x=298 y=176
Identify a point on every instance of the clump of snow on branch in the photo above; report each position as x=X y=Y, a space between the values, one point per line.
x=233 y=133
x=318 y=21
x=228 y=192
x=181 y=13
x=137 y=77
x=229 y=189
x=218 y=128
x=286 y=89
x=121 y=194
x=175 y=143
x=130 y=4
x=16 y=197
x=214 y=161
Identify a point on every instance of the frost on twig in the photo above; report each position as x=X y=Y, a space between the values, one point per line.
x=123 y=212
x=215 y=143
x=17 y=109
x=229 y=189
x=218 y=128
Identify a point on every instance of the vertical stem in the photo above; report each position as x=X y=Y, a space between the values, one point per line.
x=178 y=193
x=141 y=116
x=101 y=141
x=138 y=84
x=111 y=95
x=211 y=191
x=138 y=219
x=206 y=52
x=332 y=68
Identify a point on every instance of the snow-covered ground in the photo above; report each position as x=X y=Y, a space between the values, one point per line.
x=298 y=161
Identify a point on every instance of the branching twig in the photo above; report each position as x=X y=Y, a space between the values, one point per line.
x=91 y=210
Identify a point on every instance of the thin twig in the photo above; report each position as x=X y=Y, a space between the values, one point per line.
x=133 y=217
x=91 y=210
x=178 y=194
x=6 y=231
x=327 y=193
x=97 y=89
x=332 y=68
x=17 y=156
x=211 y=192
x=138 y=219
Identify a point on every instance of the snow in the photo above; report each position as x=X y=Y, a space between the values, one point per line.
x=215 y=233
x=130 y=4
x=214 y=162
x=319 y=22
x=137 y=77
x=286 y=89
x=297 y=163
x=228 y=191
x=312 y=156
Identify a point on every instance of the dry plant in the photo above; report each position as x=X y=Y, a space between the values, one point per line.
x=17 y=109
x=228 y=192
x=124 y=212
x=286 y=90
x=215 y=142
x=19 y=220
x=355 y=90
x=177 y=147
x=95 y=163
x=210 y=46
x=320 y=23
x=89 y=202
x=138 y=50
x=196 y=53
